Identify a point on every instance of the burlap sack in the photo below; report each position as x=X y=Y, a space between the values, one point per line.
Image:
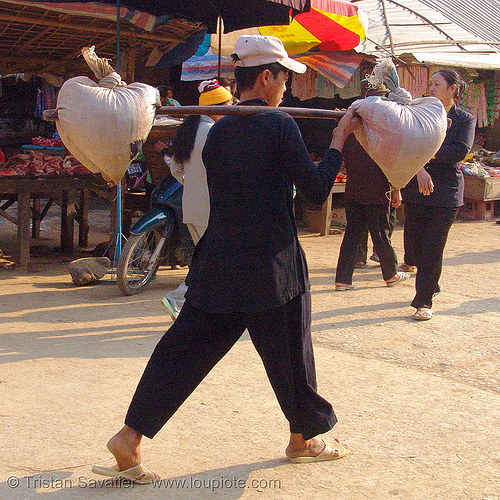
x=88 y=270
x=105 y=124
x=401 y=134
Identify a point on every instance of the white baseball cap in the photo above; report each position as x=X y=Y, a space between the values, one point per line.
x=255 y=50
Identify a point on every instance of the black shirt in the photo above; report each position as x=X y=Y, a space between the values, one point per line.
x=444 y=168
x=366 y=183
x=249 y=258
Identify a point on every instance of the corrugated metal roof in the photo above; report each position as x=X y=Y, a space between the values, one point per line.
x=476 y=61
x=481 y=17
x=402 y=26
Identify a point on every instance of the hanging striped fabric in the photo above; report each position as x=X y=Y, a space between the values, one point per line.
x=141 y=20
x=338 y=67
x=206 y=67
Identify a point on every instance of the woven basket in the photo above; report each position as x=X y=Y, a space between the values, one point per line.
x=154 y=160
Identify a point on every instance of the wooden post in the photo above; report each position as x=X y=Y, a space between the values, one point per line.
x=83 y=228
x=36 y=218
x=23 y=228
x=326 y=216
x=67 y=219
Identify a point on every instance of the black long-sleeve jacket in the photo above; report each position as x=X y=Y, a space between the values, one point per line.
x=249 y=258
x=444 y=167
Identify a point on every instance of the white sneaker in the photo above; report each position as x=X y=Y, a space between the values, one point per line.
x=400 y=276
x=171 y=311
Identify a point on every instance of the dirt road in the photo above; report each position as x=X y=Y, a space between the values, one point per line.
x=418 y=403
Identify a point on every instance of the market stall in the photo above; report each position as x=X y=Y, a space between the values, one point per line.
x=39 y=49
x=70 y=192
x=37 y=171
x=423 y=36
x=482 y=186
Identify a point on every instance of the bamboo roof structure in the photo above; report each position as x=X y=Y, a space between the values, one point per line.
x=34 y=39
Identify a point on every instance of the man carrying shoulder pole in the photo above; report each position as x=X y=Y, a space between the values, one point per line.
x=248 y=270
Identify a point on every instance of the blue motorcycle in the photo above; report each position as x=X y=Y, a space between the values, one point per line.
x=158 y=237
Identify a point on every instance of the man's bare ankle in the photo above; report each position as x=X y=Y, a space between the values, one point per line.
x=125 y=447
x=311 y=447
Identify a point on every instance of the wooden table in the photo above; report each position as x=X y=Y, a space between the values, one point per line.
x=64 y=190
x=326 y=209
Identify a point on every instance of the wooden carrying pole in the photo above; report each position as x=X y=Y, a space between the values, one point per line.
x=327 y=114
x=248 y=110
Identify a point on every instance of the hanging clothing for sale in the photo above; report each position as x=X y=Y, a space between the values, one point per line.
x=352 y=88
x=496 y=101
x=489 y=88
x=415 y=81
x=328 y=74
x=304 y=86
x=325 y=88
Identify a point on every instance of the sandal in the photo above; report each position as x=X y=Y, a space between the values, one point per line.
x=407 y=268
x=400 y=276
x=439 y=290
x=360 y=265
x=345 y=288
x=137 y=475
x=422 y=314
x=333 y=451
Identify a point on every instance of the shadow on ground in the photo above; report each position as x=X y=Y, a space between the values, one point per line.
x=229 y=483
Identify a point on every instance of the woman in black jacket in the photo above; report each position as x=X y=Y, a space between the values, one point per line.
x=432 y=198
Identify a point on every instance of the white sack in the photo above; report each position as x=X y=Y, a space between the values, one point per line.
x=400 y=134
x=104 y=124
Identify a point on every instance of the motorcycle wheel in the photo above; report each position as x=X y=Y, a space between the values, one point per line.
x=135 y=268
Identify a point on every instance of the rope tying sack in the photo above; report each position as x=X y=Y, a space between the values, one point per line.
x=104 y=72
x=385 y=73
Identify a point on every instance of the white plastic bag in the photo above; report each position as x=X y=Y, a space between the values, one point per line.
x=105 y=124
x=400 y=134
